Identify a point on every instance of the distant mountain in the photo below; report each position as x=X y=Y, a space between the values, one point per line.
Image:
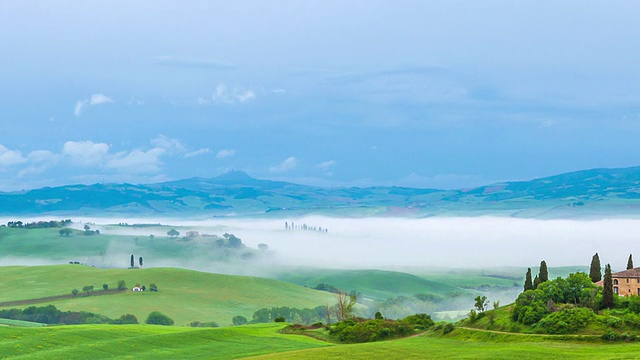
x=597 y=192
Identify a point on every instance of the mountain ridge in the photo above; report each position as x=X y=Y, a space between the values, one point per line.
x=573 y=194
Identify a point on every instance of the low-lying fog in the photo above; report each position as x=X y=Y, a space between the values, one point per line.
x=428 y=243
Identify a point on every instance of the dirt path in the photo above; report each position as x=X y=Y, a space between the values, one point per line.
x=525 y=334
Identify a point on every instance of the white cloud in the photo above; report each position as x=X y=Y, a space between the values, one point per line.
x=288 y=164
x=137 y=161
x=197 y=152
x=95 y=99
x=85 y=153
x=224 y=153
x=232 y=95
x=325 y=165
x=169 y=144
x=10 y=157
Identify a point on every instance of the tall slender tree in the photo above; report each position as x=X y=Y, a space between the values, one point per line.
x=528 y=284
x=140 y=261
x=536 y=282
x=544 y=272
x=630 y=262
x=607 y=291
x=595 y=273
x=132 y=263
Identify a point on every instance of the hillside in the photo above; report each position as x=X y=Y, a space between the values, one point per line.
x=576 y=194
x=184 y=295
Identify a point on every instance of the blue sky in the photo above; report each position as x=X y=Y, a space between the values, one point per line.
x=419 y=93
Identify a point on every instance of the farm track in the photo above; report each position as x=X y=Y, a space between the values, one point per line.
x=58 y=297
x=577 y=336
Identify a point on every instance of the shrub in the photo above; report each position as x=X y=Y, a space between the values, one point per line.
x=239 y=320
x=567 y=321
x=74 y=292
x=279 y=319
x=122 y=285
x=203 y=324
x=158 y=318
x=447 y=328
x=105 y=287
x=126 y=319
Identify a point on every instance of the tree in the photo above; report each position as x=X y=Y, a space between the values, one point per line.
x=481 y=304
x=595 y=272
x=344 y=305
x=630 y=262
x=87 y=227
x=65 y=232
x=173 y=232
x=536 y=282
x=378 y=316
x=153 y=287
x=528 y=284
x=74 y=292
x=239 y=320
x=132 y=263
x=544 y=272
x=263 y=247
x=87 y=289
x=122 y=285
x=607 y=291
x=158 y=318
x=140 y=261
x=105 y=286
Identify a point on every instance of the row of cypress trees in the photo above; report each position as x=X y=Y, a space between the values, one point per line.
x=542 y=276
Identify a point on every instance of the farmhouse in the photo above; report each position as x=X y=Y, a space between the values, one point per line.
x=626 y=282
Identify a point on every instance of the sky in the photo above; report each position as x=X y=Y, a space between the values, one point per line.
x=443 y=94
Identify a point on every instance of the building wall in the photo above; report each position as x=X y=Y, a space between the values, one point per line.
x=626 y=286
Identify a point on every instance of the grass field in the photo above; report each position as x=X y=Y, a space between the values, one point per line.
x=264 y=342
x=147 y=342
x=11 y=322
x=183 y=295
x=464 y=344
x=376 y=284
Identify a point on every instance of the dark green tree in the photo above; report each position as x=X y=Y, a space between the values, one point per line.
x=65 y=232
x=105 y=286
x=481 y=303
x=74 y=292
x=132 y=263
x=173 y=232
x=607 y=291
x=536 y=282
x=122 y=285
x=158 y=318
x=528 y=284
x=630 y=262
x=140 y=261
x=544 y=272
x=239 y=320
x=595 y=273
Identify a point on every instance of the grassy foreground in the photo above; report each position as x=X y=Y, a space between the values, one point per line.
x=467 y=344
x=184 y=295
x=147 y=342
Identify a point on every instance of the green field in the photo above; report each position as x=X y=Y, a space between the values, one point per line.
x=147 y=342
x=376 y=284
x=263 y=342
x=183 y=295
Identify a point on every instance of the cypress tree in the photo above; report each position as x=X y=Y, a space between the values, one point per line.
x=595 y=273
x=536 y=282
x=528 y=284
x=630 y=262
x=132 y=263
x=544 y=272
x=607 y=291
x=140 y=261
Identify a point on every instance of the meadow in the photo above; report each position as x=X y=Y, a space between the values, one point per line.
x=184 y=295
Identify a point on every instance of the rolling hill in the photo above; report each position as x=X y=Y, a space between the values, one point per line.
x=576 y=194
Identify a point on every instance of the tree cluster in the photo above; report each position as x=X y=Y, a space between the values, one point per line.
x=305 y=227
x=358 y=330
x=51 y=315
x=38 y=224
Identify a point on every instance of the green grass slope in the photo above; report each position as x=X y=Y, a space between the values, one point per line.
x=147 y=342
x=183 y=295
x=377 y=284
x=466 y=344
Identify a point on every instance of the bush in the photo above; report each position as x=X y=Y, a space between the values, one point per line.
x=239 y=320
x=447 y=328
x=567 y=321
x=158 y=318
x=279 y=319
x=122 y=285
x=126 y=319
x=203 y=324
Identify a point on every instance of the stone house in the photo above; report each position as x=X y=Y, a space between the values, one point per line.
x=626 y=282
